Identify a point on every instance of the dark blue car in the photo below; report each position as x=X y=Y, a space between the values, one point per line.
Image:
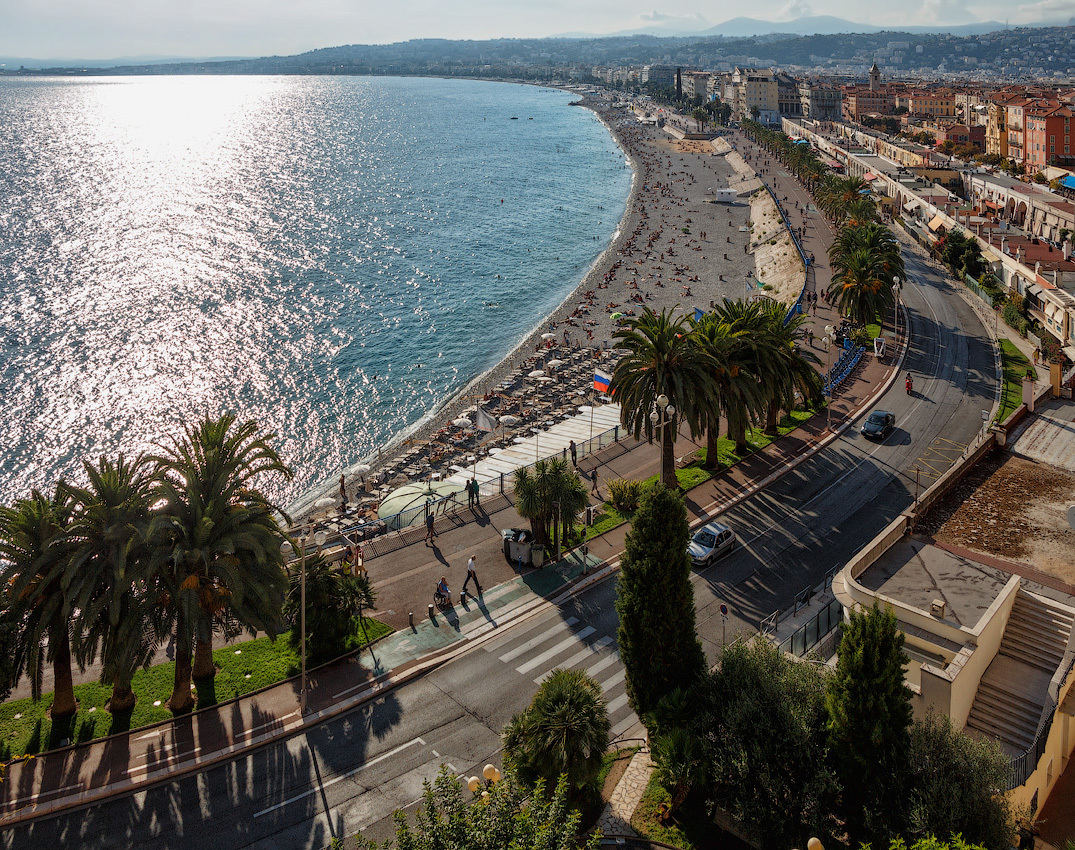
x=878 y=425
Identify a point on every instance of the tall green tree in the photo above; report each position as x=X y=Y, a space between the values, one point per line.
x=745 y=376
x=865 y=259
x=655 y=603
x=110 y=583
x=954 y=786
x=563 y=732
x=869 y=708
x=762 y=717
x=505 y=816
x=550 y=495
x=35 y=556
x=220 y=554
x=662 y=359
x=791 y=366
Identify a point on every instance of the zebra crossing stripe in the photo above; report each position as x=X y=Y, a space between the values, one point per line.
x=607 y=661
x=581 y=655
x=556 y=650
x=540 y=639
x=617 y=703
x=619 y=676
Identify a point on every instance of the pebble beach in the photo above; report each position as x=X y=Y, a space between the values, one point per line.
x=675 y=248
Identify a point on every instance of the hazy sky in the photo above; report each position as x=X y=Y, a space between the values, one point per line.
x=105 y=29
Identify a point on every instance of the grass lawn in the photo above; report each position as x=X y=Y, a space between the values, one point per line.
x=1013 y=364
x=25 y=727
x=689 y=828
x=693 y=474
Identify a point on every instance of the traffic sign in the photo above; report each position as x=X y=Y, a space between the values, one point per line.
x=724 y=610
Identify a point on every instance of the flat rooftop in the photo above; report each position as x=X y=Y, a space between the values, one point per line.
x=916 y=573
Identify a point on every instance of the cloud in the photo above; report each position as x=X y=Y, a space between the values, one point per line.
x=656 y=17
x=946 y=12
x=795 y=9
x=1045 y=10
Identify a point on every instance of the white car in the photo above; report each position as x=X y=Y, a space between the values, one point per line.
x=710 y=542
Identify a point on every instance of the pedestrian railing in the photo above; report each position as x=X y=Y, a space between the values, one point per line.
x=814 y=630
x=797 y=306
x=1022 y=766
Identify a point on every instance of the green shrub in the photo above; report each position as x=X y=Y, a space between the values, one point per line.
x=624 y=495
x=861 y=336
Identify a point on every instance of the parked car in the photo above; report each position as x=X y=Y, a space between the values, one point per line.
x=878 y=425
x=710 y=542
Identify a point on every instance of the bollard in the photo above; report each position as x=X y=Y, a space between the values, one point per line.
x=431 y=610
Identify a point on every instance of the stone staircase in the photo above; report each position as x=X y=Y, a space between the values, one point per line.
x=1015 y=688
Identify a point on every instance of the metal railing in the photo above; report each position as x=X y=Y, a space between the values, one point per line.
x=1022 y=766
x=797 y=306
x=814 y=630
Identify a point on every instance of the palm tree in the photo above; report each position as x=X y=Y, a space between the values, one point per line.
x=700 y=116
x=35 y=553
x=864 y=260
x=791 y=367
x=862 y=210
x=563 y=732
x=220 y=558
x=109 y=583
x=332 y=600
x=836 y=194
x=680 y=765
x=551 y=483
x=744 y=374
x=662 y=359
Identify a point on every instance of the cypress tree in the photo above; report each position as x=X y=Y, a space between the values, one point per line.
x=655 y=604
x=870 y=716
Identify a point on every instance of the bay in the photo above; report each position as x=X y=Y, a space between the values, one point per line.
x=331 y=256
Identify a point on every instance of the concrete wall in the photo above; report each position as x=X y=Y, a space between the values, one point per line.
x=1058 y=749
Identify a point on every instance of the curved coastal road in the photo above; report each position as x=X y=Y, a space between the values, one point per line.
x=350 y=773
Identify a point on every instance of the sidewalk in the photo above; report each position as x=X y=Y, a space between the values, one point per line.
x=404 y=580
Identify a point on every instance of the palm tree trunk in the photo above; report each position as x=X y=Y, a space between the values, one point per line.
x=204 y=667
x=772 y=418
x=712 y=435
x=181 y=701
x=123 y=698
x=63 y=700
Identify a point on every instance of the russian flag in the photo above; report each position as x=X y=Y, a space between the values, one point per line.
x=601 y=380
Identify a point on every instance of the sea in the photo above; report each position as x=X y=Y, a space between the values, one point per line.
x=332 y=257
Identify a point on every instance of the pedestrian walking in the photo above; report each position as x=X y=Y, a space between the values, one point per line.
x=470 y=494
x=476 y=491
x=430 y=532
x=472 y=576
x=593 y=483
x=574 y=453
x=343 y=492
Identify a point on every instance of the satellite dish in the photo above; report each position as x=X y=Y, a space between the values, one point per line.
x=1071 y=516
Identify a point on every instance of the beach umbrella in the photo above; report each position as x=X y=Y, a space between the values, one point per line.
x=617 y=315
x=361 y=469
x=545 y=379
x=509 y=420
x=555 y=363
x=538 y=373
x=462 y=422
x=548 y=336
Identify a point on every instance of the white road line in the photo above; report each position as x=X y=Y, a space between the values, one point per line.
x=618 y=677
x=556 y=650
x=607 y=661
x=624 y=725
x=34 y=797
x=540 y=639
x=617 y=703
x=162 y=762
x=582 y=655
x=341 y=777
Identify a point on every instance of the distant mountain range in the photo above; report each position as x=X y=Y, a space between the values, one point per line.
x=806 y=25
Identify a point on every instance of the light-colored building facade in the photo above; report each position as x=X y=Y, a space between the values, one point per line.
x=756 y=88
x=820 y=102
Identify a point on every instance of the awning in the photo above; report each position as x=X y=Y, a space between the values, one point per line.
x=867 y=176
x=992 y=205
x=936 y=221
x=1068 y=181
x=1033 y=289
x=1069 y=353
x=832 y=163
x=911 y=206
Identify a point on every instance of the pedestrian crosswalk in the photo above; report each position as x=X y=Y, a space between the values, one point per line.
x=555 y=643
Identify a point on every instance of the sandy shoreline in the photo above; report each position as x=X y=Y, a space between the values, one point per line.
x=673 y=248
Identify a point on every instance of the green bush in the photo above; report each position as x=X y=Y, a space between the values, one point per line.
x=1015 y=319
x=624 y=495
x=861 y=336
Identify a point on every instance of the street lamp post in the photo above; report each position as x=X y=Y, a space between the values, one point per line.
x=895 y=304
x=287 y=550
x=829 y=337
x=662 y=416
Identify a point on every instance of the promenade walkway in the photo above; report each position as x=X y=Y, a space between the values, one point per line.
x=404 y=580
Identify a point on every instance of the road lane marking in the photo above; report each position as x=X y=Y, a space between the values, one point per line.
x=617 y=704
x=617 y=677
x=581 y=655
x=341 y=777
x=608 y=661
x=556 y=650
x=540 y=639
x=164 y=761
